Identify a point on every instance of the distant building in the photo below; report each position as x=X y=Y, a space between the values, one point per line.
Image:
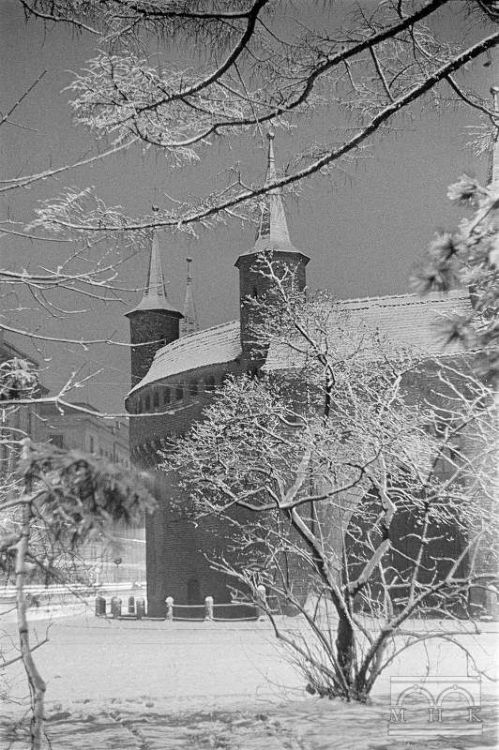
x=78 y=426
x=173 y=378
x=81 y=427
x=16 y=421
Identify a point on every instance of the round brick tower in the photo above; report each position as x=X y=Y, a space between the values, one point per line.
x=272 y=240
x=154 y=322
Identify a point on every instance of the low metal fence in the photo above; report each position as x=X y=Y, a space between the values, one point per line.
x=211 y=612
x=135 y=608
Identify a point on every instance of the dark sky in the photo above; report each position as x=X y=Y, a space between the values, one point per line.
x=363 y=226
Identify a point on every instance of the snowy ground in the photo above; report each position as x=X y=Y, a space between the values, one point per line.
x=154 y=686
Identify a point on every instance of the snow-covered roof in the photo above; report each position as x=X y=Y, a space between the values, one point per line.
x=215 y=345
x=403 y=320
x=399 y=321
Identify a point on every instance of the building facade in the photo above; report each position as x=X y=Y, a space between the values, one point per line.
x=173 y=378
x=16 y=421
x=79 y=427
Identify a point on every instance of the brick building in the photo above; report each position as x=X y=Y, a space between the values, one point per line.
x=173 y=377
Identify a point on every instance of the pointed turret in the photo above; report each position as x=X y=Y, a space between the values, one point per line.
x=155 y=297
x=154 y=322
x=273 y=224
x=273 y=239
x=189 y=323
x=273 y=233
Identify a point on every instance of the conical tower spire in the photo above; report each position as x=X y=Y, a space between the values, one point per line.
x=272 y=242
x=155 y=297
x=189 y=324
x=154 y=322
x=273 y=223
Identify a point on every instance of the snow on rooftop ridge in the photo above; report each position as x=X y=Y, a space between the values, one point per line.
x=216 y=345
x=411 y=298
x=415 y=326
x=401 y=322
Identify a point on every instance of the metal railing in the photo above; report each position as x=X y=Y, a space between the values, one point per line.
x=207 y=611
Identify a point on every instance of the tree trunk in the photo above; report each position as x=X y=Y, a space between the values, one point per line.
x=37 y=685
x=345 y=649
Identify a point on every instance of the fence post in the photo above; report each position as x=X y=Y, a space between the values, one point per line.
x=100 y=606
x=169 y=608
x=116 y=606
x=262 y=600
x=141 y=608
x=208 y=605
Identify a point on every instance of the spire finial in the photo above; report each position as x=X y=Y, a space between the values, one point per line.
x=189 y=324
x=271 y=173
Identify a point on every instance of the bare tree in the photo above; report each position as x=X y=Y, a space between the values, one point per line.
x=63 y=498
x=360 y=486
x=366 y=64
x=52 y=503
x=265 y=65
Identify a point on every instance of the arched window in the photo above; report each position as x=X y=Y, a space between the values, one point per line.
x=155 y=399
x=193 y=388
x=167 y=395
x=179 y=392
x=147 y=405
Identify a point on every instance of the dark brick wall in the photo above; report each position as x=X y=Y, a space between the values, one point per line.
x=176 y=417
x=155 y=326
x=176 y=548
x=179 y=552
x=253 y=284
